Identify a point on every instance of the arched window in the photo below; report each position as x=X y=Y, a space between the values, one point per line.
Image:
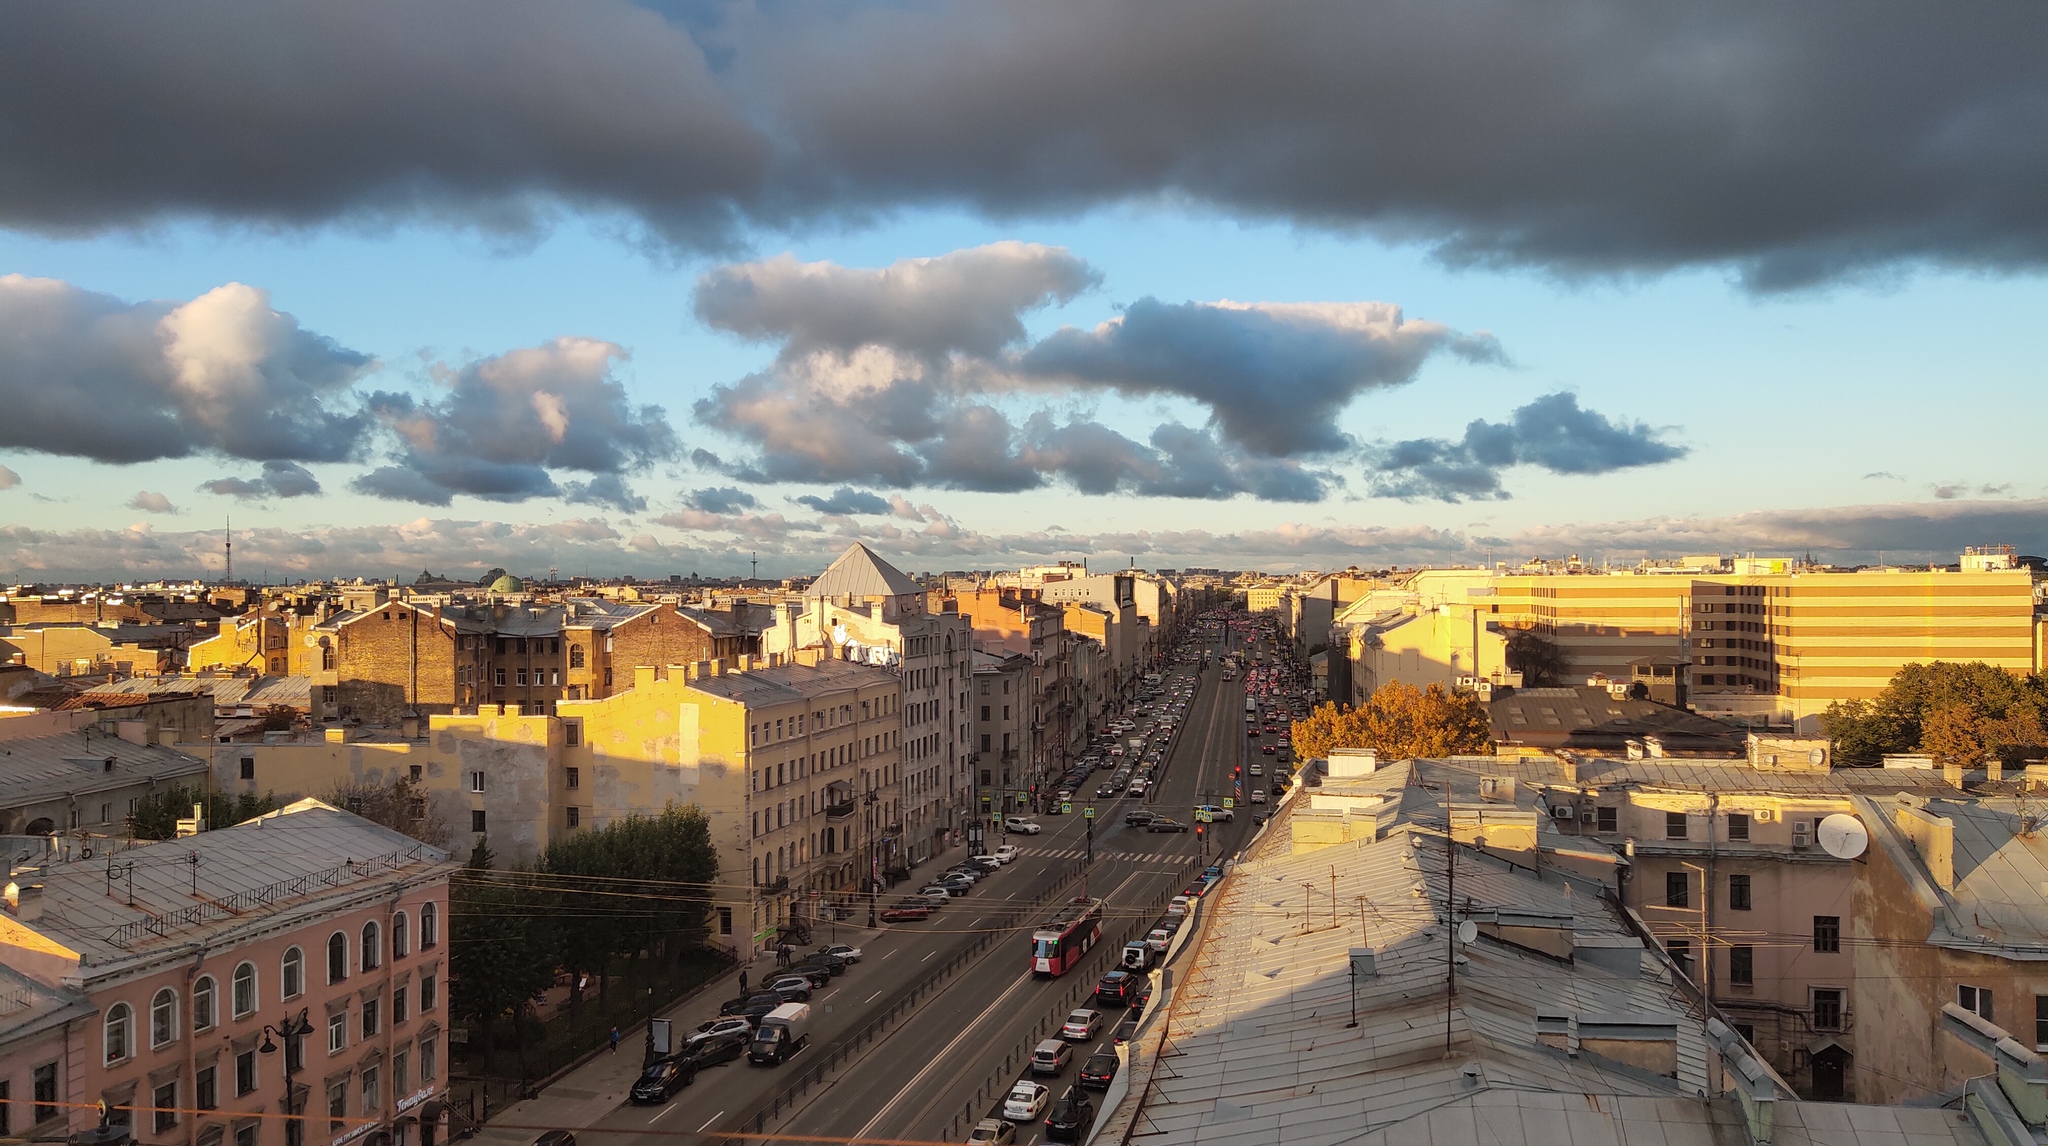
x=294 y=973
x=119 y=1019
x=430 y=925
x=205 y=1007
x=163 y=1018
x=575 y=656
x=337 y=957
x=401 y=941
x=244 y=990
x=373 y=946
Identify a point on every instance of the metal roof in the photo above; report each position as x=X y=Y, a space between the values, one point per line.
x=786 y=684
x=35 y=769
x=860 y=574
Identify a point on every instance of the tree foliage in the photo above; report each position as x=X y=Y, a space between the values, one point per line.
x=1538 y=658
x=1399 y=721
x=157 y=814
x=672 y=852
x=503 y=944
x=1958 y=713
x=401 y=806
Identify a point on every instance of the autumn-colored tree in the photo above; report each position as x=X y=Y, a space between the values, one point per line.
x=1399 y=721
x=1957 y=713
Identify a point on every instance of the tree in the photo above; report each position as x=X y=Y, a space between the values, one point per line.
x=1959 y=713
x=156 y=815
x=402 y=806
x=501 y=951
x=1399 y=721
x=1536 y=657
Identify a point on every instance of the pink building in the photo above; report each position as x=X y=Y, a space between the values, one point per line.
x=279 y=983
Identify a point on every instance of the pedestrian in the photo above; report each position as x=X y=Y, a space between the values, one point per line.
x=743 y=984
x=615 y=1040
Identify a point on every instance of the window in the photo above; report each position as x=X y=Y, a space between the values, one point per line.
x=519 y=678
x=401 y=938
x=163 y=1018
x=476 y=781
x=572 y=733
x=163 y=1102
x=295 y=1054
x=1738 y=893
x=1976 y=1000
x=575 y=660
x=373 y=1017
x=428 y=1049
x=1607 y=819
x=2040 y=1026
x=575 y=817
x=204 y=1013
x=1742 y=965
x=294 y=973
x=337 y=1032
x=476 y=821
x=245 y=1073
x=1680 y=951
x=373 y=946
x=120 y=1018
x=398 y=1013
x=1676 y=892
x=1827 y=933
x=206 y=1088
x=1738 y=826
x=430 y=926
x=46 y=1092
x=1827 y=1010
x=337 y=957
x=372 y=1099
x=6 y=1108
x=337 y=1105
x=248 y=767
x=572 y=778
x=1674 y=825
x=245 y=1135
x=401 y=1060
x=498 y=677
x=725 y=926
x=427 y=999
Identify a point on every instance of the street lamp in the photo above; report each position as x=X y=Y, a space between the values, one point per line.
x=292 y=1028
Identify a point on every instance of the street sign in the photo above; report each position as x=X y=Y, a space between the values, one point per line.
x=1066 y=809
x=1089 y=811
x=1204 y=816
x=1229 y=803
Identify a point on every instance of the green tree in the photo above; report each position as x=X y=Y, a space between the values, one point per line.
x=1399 y=721
x=1956 y=712
x=501 y=949
x=157 y=814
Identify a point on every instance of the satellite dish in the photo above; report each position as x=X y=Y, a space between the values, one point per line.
x=1468 y=931
x=1843 y=836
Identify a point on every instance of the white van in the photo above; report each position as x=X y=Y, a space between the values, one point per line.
x=1051 y=1056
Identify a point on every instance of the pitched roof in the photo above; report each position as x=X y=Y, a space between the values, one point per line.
x=860 y=574
x=38 y=768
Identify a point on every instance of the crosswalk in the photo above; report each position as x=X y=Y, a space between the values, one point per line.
x=1105 y=853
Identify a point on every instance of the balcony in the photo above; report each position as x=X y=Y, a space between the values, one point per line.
x=840 y=811
x=779 y=884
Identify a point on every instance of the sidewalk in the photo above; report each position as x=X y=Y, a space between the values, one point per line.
x=587 y=1093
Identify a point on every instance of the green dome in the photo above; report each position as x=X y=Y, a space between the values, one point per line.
x=508 y=584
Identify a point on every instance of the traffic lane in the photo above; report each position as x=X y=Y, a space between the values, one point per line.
x=889 y=966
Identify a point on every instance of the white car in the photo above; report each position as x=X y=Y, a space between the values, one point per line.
x=1026 y=1101
x=1007 y=853
x=1020 y=824
x=846 y=951
x=1258 y=795
x=1081 y=1025
x=732 y=1026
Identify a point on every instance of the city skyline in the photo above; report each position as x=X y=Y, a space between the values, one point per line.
x=737 y=329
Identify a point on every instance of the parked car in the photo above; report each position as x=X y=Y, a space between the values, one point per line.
x=1070 y=1117
x=818 y=974
x=949 y=890
x=792 y=988
x=993 y=1132
x=1100 y=1070
x=662 y=1079
x=846 y=952
x=1007 y=853
x=1026 y=1101
x=753 y=1006
x=929 y=898
x=986 y=863
x=1163 y=824
x=717 y=1049
x=727 y=1026
x=1081 y=1026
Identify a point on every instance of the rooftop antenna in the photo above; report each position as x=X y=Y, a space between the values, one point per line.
x=229 y=547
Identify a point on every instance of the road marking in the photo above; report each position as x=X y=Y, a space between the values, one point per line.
x=709 y=1121
x=943 y=1058
x=828 y=994
x=928 y=955
x=665 y=1112
x=870 y=998
x=977 y=922
x=887 y=954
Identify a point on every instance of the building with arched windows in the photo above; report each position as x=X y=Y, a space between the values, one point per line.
x=202 y=986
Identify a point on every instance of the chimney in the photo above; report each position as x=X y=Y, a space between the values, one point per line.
x=1934 y=837
x=1635 y=749
x=1952 y=775
x=1655 y=746
x=1570 y=765
x=28 y=902
x=1994 y=768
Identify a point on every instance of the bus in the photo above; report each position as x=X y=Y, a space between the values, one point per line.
x=1060 y=942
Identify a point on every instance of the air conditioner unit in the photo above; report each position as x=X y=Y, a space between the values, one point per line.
x=1802 y=834
x=1563 y=812
x=1489 y=786
x=1761 y=815
x=1586 y=815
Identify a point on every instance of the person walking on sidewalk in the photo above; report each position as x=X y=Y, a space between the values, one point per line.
x=743 y=984
x=615 y=1040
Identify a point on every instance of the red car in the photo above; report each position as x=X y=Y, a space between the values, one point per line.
x=906 y=914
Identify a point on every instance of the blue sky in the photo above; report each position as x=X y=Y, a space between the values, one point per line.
x=1889 y=405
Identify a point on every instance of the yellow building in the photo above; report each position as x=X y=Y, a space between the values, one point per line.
x=272 y=643
x=1263 y=598
x=1422 y=645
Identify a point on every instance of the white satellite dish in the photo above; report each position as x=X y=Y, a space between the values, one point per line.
x=1467 y=932
x=1843 y=836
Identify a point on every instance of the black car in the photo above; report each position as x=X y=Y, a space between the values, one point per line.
x=1165 y=825
x=1100 y=1070
x=1125 y=1031
x=1139 y=817
x=1143 y=997
x=1068 y=1119
x=663 y=1078
x=753 y=1006
x=1117 y=987
x=715 y=1049
x=815 y=971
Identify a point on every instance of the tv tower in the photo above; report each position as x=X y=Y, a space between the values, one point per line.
x=229 y=548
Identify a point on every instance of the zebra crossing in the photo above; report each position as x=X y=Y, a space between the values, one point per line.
x=1104 y=853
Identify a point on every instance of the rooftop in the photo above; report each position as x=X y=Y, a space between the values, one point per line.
x=1590 y=718
x=35 y=769
x=860 y=574
x=788 y=683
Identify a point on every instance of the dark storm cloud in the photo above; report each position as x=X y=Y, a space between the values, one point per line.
x=279 y=480
x=1553 y=433
x=505 y=421
x=845 y=501
x=1585 y=136
x=89 y=375
x=1274 y=375
x=967 y=301
x=721 y=500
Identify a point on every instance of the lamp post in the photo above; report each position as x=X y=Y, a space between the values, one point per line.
x=293 y=1027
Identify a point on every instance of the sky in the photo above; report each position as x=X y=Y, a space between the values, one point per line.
x=651 y=289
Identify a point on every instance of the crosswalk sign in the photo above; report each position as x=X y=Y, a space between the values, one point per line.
x=1066 y=809
x=1204 y=816
x=1229 y=803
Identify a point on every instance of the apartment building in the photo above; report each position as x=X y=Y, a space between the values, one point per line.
x=1065 y=708
x=198 y=1020
x=1003 y=703
x=84 y=783
x=118 y=648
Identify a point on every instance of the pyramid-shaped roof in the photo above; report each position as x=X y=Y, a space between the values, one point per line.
x=860 y=574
